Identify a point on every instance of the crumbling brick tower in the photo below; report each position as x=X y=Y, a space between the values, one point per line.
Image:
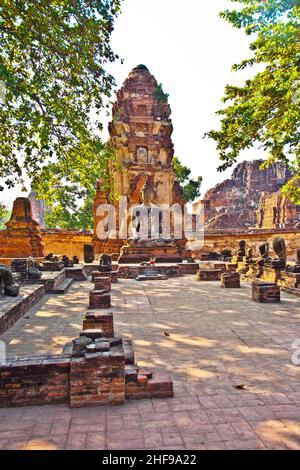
x=140 y=132
x=22 y=236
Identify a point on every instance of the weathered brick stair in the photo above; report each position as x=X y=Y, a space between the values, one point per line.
x=62 y=287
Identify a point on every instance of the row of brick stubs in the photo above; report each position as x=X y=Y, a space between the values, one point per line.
x=229 y=278
x=265 y=277
x=262 y=291
x=97 y=375
x=103 y=322
x=290 y=281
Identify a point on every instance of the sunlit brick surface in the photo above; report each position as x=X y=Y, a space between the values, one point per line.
x=219 y=338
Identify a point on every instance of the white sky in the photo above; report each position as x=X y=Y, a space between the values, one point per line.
x=188 y=48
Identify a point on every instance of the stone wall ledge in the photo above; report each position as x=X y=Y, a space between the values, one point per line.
x=13 y=308
x=252 y=231
x=66 y=231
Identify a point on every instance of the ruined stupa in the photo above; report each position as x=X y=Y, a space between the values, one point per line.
x=140 y=133
x=22 y=237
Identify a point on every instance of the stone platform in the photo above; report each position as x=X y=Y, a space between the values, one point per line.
x=12 y=308
x=133 y=254
x=58 y=282
x=131 y=271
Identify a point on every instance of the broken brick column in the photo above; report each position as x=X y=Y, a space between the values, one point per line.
x=97 y=275
x=102 y=283
x=97 y=371
x=97 y=380
x=231 y=280
x=99 y=299
x=100 y=320
x=208 y=275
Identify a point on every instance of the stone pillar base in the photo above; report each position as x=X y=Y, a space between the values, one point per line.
x=103 y=283
x=265 y=292
x=209 y=275
x=112 y=275
x=99 y=320
x=99 y=299
x=231 y=280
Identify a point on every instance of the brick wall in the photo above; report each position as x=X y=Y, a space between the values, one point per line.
x=58 y=379
x=66 y=242
x=35 y=381
x=98 y=381
x=218 y=241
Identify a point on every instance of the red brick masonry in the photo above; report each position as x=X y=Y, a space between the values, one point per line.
x=231 y=280
x=209 y=275
x=94 y=369
x=101 y=320
x=265 y=292
x=99 y=380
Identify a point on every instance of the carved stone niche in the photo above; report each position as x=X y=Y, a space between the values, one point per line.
x=141 y=130
x=141 y=110
x=142 y=155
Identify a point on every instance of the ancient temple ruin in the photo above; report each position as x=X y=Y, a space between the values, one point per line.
x=140 y=133
x=38 y=207
x=276 y=210
x=236 y=202
x=22 y=237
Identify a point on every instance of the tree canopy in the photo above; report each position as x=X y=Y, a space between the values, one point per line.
x=68 y=187
x=4 y=215
x=266 y=110
x=191 y=187
x=54 y=83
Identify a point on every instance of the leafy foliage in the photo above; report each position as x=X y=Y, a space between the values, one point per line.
x=68 y=186
x=266 y=109
x=70 y=216
x=52 y=64
x=4 y=215
x=191 y=187
x=160 y=95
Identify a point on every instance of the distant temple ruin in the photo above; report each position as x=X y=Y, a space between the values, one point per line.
x=38 y=208
x=22 y=236
x=251 y=198
x=277 y=211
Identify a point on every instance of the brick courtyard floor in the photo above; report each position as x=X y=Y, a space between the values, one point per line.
x=218 y=339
